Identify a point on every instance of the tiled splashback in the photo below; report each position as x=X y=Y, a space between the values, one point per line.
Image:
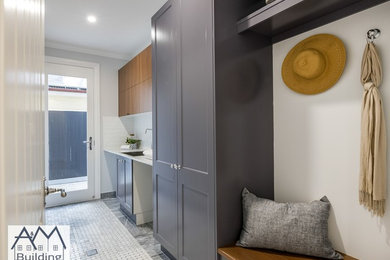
x=113 y=132
x=137 y=124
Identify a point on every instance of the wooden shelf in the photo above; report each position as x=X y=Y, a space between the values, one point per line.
x=238 y=253
x=281 y=16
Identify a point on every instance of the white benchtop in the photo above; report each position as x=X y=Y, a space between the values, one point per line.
x=142 y=159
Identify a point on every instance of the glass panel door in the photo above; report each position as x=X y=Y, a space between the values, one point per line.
x=69 y=133
x=67 y=112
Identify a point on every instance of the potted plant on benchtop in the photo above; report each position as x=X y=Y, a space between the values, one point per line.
x=133 y=142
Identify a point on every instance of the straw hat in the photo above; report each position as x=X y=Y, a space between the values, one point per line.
x=315 y=64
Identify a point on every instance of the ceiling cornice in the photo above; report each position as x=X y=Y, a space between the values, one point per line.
x=74 y=48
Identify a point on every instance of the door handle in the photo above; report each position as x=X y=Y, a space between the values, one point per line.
x=47 y=191
x=89 y=143
x=55 y=190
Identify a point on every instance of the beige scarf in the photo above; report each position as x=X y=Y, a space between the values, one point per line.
x=372 y=189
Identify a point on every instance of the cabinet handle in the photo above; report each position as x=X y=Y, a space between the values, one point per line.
x=175 y=166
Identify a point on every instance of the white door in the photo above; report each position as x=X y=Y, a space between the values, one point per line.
x=21 y=115
x=70 y=132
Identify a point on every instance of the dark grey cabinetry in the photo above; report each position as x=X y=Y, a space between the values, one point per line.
x=121 y=183
x=212 y=124
x=196 y=132
x=164 y=51
x=129 y=185
x=184 y=157
x=125 y=185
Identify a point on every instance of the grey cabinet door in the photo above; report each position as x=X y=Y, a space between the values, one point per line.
x=120 y=180
x=129 y=185
x=196 y=133
x=164 y=55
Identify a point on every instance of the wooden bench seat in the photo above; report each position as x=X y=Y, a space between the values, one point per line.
x=239 y=253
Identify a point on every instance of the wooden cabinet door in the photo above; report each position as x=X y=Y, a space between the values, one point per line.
x=164 y=42
x=132 y=102
x=121 y=91
x=126 y=97
x=121 y=180
x=122 y=79
x=135 y=99
x=129 y=185
x=122 y=102
x=124 y=86
x=134 y=73
x=196 y=198
x=146 y=96
x=146 y=64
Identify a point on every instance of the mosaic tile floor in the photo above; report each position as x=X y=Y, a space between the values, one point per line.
x=143 y=233
x=99 y=230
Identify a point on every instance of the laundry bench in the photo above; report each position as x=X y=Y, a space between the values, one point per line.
x=239 y=253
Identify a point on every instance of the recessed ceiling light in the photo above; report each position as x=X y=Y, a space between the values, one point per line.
x=91 y=18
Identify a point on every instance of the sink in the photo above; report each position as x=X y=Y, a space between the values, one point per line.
x=134 y=153
x=148 y=154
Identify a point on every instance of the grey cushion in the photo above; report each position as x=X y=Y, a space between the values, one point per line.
x=300 y=228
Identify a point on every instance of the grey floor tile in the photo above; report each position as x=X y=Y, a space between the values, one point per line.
x=99 y=231
x=142 y=233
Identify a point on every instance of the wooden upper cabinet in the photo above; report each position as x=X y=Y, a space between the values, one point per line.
x=145 y=96
x=122 y=79
x=129 y=102
x=135 y=84
x=122 y=102
x=135 y=77
x=145 y=64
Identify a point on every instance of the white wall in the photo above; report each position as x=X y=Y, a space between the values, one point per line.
x=317 y=138
x=60 y=101
x=112 y=131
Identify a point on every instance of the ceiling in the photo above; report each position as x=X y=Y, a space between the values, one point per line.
x=123 y=27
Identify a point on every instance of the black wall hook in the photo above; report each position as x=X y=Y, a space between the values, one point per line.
x=373 y=34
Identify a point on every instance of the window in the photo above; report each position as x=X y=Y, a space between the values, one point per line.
x=40 y=248
x=28 y=248
x=55 y=248
x=20 y=248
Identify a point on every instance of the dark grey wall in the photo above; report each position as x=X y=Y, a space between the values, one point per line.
x=244 y=116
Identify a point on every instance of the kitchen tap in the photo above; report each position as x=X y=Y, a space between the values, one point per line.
x=148 y=129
